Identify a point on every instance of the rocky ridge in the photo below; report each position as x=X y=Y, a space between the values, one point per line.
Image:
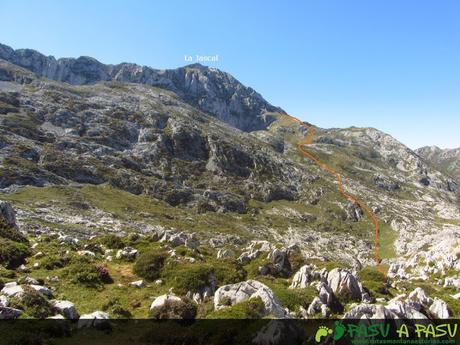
x=212 y=91
x=447 y=160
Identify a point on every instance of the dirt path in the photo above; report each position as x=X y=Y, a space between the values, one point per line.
x=306 y=141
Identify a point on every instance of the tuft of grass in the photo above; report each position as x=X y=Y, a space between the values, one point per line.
x=374 y=280
x=290 y=298
x=387 y=238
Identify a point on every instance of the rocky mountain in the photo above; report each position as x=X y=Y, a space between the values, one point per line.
x=212 y=91
x=123 y=182
x=446 y=160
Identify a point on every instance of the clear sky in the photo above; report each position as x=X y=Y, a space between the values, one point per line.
x=389 y=64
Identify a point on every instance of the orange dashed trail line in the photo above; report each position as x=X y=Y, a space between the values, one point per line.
x=306 y=141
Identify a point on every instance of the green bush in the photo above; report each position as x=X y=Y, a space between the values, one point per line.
x=184 y=251
x=293 y=298
x=33 y=303
x=184 y=309
x=12 y=254
x=149 y=264
x=112 y=241
x=103 y=273
x=229 y=272
x=84 y=272
x=253 y=308
x=188 y=277
x=52 y=262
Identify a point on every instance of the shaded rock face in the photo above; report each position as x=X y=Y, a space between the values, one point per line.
x=7 y=313
x=280 y=260
x=66 y=308
x=302 y=278
x=386 y=183
x=7 y=215
x=342 y=282
x=208 y=89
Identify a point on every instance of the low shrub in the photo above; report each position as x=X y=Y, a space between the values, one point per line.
x=184 y=251
x=103 y=273
x=112 y=241
x=185 y=309
x=293 y=298
x=10 y=233
x=33 y=303
x=253 y=308
x=149 y=264
x=13 y=254
x=83 y=271
x=189 y=277
x=52 y=262
x=229 y=272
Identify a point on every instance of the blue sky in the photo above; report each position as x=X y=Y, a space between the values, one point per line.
x=389 y=64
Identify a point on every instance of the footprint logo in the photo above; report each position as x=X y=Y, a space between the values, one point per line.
x=339 y=330
x=322 y=332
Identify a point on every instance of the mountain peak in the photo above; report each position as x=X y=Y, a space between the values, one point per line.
x=218 y=93
x=196 y=65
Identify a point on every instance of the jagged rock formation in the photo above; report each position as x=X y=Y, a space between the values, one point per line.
x=208 y=89
x=228 y=295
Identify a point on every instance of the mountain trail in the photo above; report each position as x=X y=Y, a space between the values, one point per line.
x=306 y=141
